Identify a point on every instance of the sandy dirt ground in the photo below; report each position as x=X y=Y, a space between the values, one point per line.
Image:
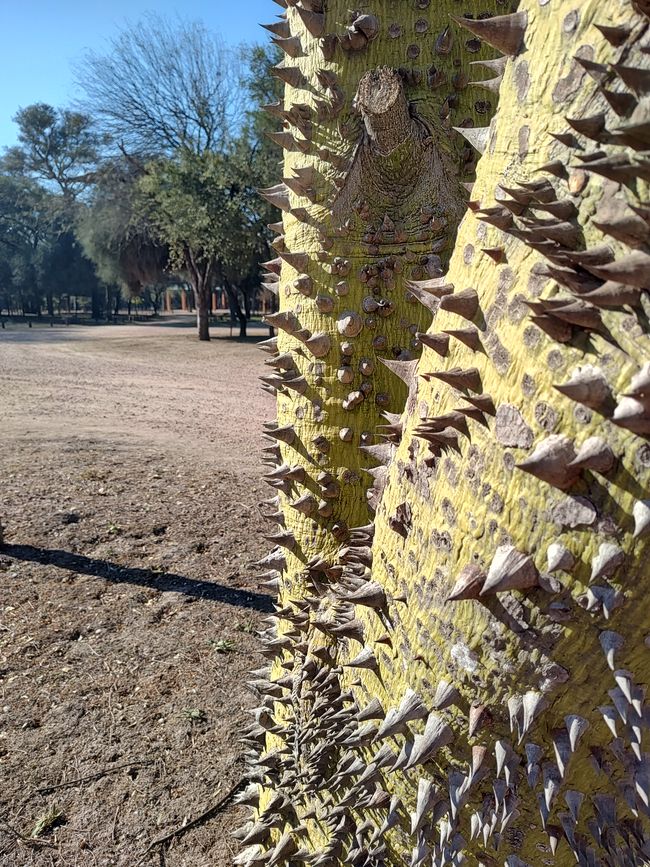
x=128 y=606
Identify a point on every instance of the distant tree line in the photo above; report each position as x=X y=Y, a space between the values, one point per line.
x=150 y=180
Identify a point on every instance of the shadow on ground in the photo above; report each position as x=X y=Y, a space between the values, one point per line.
x=163 y=581
x=220 y=329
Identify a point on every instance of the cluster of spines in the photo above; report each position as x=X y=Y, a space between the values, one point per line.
x=353 y=840
x=336 y=760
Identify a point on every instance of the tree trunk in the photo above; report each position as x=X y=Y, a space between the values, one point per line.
x=236 y=310
x=202 y=303
x=96 y=303
x=468 y=673
x=380 y=149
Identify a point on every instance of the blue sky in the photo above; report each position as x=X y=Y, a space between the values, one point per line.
x=42 y=38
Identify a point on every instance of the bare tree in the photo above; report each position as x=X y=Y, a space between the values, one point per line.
x=163 y=86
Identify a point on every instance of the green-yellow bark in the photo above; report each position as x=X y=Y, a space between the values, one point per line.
x=522 y=665
x=344 y=233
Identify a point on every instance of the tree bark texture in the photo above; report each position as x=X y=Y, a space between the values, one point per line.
x=202 y=301
x=462 y=679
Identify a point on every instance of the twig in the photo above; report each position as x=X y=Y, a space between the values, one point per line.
x=27 y=841
x=45 y=790
x=203 y=817
x=117 y=810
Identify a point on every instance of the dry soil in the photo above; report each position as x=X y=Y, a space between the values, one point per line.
x=128 y=606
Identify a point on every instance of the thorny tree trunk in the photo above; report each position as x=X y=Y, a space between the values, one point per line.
x=464 y=682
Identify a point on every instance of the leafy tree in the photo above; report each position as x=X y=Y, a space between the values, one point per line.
x=58 y=147
x=6 y=284
x=263 y=154
x=264 y=90
x=24 y=212
x=118 y=235
x=181 y=112
x=43 y=259
x=203 y=206
x=43 y=177
x=62 y=269
x=180 y=197
x=25 y=220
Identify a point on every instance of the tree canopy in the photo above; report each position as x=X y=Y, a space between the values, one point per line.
x=164 y=86
x=153 y=176
x=117 y=233
x=58 y=147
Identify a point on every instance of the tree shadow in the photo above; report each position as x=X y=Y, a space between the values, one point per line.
x=163 y=581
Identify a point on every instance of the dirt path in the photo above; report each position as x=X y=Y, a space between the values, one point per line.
x=128 y=491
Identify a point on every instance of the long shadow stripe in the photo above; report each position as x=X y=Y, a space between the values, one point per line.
x=164 y=581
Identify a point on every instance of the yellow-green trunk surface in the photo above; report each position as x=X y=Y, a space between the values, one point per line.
x=506 y=724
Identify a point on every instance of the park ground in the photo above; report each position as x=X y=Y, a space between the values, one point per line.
x=129 y=478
